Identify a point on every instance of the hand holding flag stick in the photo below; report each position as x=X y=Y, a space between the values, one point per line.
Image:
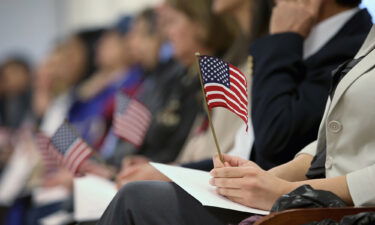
x=223 y=85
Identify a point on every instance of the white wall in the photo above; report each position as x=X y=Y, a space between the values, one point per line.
x=31 y=26
x=27 y=27
x=98 y=13
x=370 y=4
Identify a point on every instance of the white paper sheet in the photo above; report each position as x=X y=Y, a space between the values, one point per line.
x=196 y=183
x=58 y=218
x=16 y=174
x=92 y=195
x=43 y=196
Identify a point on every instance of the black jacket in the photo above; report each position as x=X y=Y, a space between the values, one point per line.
x=289 y=93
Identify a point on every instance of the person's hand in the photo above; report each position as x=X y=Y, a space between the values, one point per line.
x=246 y=183
x=230 y=161
x=134 y=160
x=139 y=172
x=297 y=16
x=61 y=178
x=97 y=169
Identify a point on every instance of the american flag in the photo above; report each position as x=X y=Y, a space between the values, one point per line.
x=131 y=120
x=224 y=85
x=51 y=157
x=73 y=149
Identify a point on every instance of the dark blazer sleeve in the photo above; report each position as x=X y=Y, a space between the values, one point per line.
x=289 y=93
x=205 y=164
x=288 y=98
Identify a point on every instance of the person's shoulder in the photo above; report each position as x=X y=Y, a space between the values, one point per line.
x=359 y=24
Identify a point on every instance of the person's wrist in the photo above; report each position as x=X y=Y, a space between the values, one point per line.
x=289 y=187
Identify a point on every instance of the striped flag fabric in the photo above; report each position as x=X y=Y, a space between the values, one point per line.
x=51 y=156
x=224 y=86
x=71 y=146
x=131 y=120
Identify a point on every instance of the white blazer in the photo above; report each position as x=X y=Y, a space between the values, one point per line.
x=348 y=128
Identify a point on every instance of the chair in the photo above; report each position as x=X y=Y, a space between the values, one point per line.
x=303 y=216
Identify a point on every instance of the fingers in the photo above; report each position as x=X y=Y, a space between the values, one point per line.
x=217 y=162
x=230 y=192
x=128 y=162
x=314 y=6
x=127 y=172
x=229 y=160
x=238 y=200
x=125 y=175
x=234 y=161
x=227 y=182
x=232 y=172
x=249 y=163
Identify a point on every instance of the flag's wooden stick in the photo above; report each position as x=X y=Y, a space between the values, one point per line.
x=250 y=65
x=197 y=54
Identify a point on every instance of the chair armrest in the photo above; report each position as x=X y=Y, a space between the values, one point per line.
x=302 y=216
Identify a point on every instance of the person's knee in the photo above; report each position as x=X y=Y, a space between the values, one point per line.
x=134 y=193
x=129 y=194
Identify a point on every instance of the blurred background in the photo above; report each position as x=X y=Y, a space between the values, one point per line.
x=69 y=60
x=31 y=27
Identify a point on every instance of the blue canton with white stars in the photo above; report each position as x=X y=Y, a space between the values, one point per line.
x=64 y=138
x=214 y=70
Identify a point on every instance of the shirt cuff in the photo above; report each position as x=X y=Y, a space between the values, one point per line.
x=310 y=149
x=361 y=185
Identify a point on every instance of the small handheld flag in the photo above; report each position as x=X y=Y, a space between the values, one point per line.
x=71 y=146
x=51 y=157
x=131 y=120
x=223 y=85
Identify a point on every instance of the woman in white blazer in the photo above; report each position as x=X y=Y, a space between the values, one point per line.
x=347 y=134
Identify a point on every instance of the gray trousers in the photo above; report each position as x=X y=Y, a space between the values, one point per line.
x=162 y=203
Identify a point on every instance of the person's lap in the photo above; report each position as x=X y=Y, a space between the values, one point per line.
x=155 y=202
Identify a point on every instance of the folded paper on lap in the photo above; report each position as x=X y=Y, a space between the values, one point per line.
x=196 y=183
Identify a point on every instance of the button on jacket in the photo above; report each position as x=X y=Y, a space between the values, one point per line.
x=348 y=128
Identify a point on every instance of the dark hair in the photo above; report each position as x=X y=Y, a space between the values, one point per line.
x=349 y=3
x=89 y=39
x=150 y=17
x=261 y=11
x=16 y=61
x=123 y=25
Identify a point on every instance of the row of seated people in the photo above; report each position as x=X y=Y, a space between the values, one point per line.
x=133 y=58
x=294 y=74
x=288 y=90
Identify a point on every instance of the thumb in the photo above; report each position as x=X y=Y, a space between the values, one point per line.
x=217 y=162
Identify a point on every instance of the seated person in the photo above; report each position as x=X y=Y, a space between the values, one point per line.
x=92 y=112
x=291 y=79
x=174 y=99
x=292 y=74
x=15 y=92
x=200 y=144
x=340 y=161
